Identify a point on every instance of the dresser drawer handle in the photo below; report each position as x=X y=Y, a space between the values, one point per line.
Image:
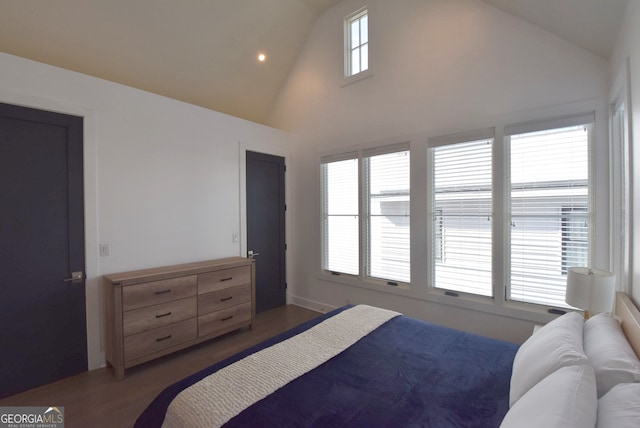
x=163 y=291
x=224 y=299
x=226 y=279
x=163 y=315
x=160 y=339
x=227 y=318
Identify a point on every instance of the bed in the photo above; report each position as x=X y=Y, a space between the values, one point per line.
x=366 y=366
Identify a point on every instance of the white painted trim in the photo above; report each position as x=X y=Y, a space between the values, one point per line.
x=365 y=74
x=463 y=137
x=94 y=306
x=620 y=93
x=420 y=287
x=311 y=304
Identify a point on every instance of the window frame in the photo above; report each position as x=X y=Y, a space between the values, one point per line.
x=324 y=214
x=420 y=289
x=367 y=215
x=500 y=302
x=586 y=119
x=621 y=209
x=348 y=76
x=488 y=134
x=363 y=275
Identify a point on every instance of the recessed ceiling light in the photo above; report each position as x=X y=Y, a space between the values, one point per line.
x=262 y=57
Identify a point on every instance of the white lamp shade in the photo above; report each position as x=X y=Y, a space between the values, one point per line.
x=591 y=289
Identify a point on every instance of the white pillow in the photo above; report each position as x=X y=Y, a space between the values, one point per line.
x=558 y=344
x=620 y=407
x=564 y=399
x=609 y=353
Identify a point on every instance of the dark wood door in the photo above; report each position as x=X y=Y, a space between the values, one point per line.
x=42 y=316
x=266 y=227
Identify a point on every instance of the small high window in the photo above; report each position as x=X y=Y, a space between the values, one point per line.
x=356 y=43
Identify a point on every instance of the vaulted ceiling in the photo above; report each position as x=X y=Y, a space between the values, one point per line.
x=205 y=52
x=590 y=24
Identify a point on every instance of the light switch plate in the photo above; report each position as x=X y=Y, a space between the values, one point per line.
x=105 y=250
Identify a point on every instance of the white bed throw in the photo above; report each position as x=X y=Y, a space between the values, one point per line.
x=222 y=395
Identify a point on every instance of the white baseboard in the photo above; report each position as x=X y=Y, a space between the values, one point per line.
x=311 y=304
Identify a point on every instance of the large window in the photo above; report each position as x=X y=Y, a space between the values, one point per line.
x=507 y=211
x=340 y=216
x=387 y=202
x=383 y=222
x=537 y=184
x=356 y=43
x=462 y=215
x=550 y=206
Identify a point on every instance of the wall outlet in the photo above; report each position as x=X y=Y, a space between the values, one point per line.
x=105 y=250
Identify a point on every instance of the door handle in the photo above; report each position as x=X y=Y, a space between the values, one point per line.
x=75 y=277
x=251 y=254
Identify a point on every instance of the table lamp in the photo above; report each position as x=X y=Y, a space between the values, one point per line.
x=590 y=289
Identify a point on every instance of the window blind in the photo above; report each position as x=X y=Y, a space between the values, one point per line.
x=387 y=191
x=549 y=211
x=340 y=216
x=462 y=207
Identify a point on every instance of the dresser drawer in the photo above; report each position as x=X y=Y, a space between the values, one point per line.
x=150 y=317
x=222 y=299
x=225 y=318
x=225 y=278
x=147 y=342
x=152 y=293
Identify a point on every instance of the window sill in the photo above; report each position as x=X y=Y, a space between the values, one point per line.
x=357 y=77
x=370 y=284
x=522 y=311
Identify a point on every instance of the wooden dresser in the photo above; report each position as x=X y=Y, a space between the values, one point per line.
x=154 y=312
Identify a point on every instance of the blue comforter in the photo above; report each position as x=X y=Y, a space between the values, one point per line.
x=406 y=373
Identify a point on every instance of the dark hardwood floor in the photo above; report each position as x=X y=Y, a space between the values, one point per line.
x=95 y=399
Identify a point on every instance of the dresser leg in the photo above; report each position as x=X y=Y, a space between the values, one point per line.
x=119 y=372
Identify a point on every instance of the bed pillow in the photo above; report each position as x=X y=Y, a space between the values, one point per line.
x=558 y=344
x=620 y=407
x=564 y=399
x=609 y=353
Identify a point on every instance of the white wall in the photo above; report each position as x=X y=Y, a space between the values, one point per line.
x=628 y=49
x=439 y=67
x=162 y=177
